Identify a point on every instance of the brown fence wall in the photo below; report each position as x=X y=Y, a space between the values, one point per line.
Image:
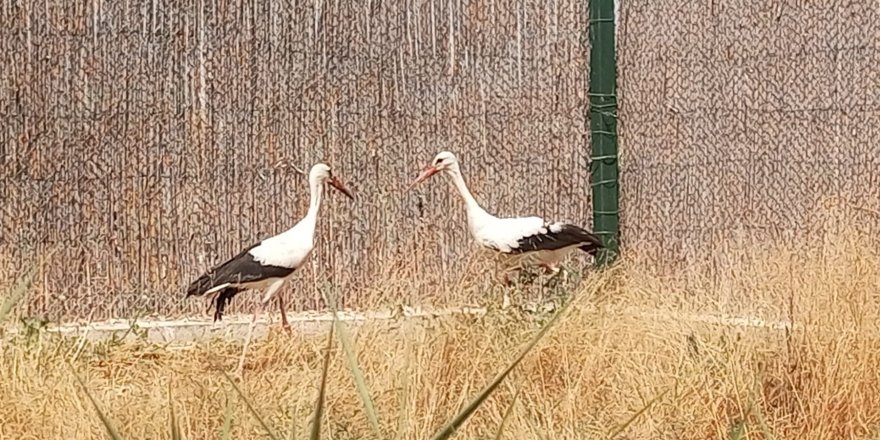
x=747 y=118
x=144 y=141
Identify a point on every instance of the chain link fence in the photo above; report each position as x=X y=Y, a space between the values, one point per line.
x=747 y=119
x=142 y=142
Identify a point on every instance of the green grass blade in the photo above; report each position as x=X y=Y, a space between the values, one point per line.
x=227 y=421
x=737 y=431
x=108 y=425
x=755 y=408
x=16 y=295
x=358 y=375
x=635 y=416
x=251 y=408
x=507 y=415
x=449 y=429
x=175 y=426
x=319 y=404
x=359 y=380
x=402 y=417
x=293 y=423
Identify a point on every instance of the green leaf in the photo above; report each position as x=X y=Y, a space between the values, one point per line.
x=319 y=404
x=737 y=430
x=402 y=419
x=227 y=421
x=16 y=295
x=175 y=426
x=251 y=408
x=293 y=423
x=108 y=425
x=356 y=372
x=507 y=415
x=449 y=429
x=755 y=408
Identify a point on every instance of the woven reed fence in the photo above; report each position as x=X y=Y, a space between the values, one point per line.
x=144 y=141
x=751 y=120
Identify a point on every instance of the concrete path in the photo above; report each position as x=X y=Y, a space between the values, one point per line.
x=185 y=330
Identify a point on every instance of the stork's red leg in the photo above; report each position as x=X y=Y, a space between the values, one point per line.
x=505 y=279
x=505 y=295
x=284 y=324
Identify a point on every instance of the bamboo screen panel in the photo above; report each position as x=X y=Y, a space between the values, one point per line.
x=747 y=118
x=144 y=141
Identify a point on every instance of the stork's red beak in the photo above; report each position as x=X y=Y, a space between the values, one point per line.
x=427 y=172
x=336 y=183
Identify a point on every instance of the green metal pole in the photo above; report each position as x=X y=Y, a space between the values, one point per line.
x=603 y=129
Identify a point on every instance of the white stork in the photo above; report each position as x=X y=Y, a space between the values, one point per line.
x=271 y=262
x=521 y=240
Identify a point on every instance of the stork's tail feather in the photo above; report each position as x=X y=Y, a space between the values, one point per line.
x=223 y=299
x=218 y=299
x=591 y=242
x=592 y=248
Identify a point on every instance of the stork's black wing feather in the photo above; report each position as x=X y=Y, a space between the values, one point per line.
x=555 y=237
x=224 y=298
x=242 y=268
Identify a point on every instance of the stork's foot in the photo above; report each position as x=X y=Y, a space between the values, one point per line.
x=506 y=284
x=505 y=280
x=550 y=269
x=505 y=301
x=508 y=288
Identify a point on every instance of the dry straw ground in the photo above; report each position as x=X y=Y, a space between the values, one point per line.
x=596 y=370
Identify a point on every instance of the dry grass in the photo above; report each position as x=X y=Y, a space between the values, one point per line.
x=601 y=365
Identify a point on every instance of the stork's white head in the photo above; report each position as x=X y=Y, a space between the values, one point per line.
x=321 y=174
x=444 y=161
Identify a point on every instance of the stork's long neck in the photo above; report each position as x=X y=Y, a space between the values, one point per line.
x=307 y=224
x=317 y=195
x=474 y=211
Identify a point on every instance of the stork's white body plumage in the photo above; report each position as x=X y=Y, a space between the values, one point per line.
x=290 y=249
x=521 y=241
